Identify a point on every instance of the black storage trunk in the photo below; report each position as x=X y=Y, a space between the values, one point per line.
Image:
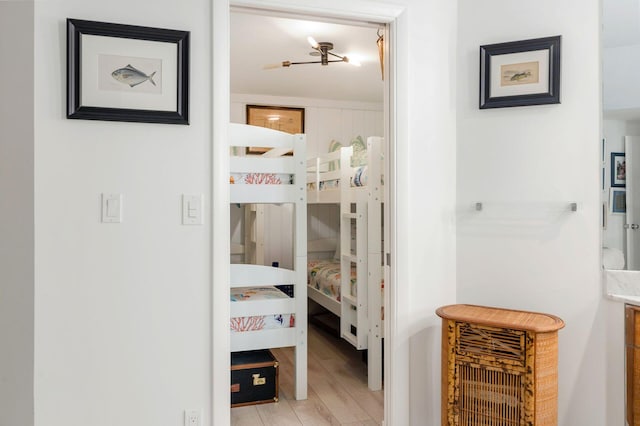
x=254 y=378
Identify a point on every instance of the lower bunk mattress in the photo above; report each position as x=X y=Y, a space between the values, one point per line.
x=260 y=322
x=325 y=276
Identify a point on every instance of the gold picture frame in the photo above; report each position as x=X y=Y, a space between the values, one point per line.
x=284 y=119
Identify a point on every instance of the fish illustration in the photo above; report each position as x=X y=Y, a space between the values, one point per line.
x=132 y=76
x=520 y=75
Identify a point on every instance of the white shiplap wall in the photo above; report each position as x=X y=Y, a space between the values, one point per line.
x=325 y=120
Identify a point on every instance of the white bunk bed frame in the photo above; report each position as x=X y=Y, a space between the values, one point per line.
x=244 y=275
x=364 y=311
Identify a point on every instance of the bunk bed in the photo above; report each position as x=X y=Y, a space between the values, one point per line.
x=262 y=316
x=351 y=288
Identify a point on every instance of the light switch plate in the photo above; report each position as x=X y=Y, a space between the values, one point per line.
x=192 y=209
x=111 y=208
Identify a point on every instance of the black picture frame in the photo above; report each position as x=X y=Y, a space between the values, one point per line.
x=91 y=106
x=528 y=73
x=618 y=170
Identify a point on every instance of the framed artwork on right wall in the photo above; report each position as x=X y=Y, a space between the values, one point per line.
x=618 y=170
x=618 y=200
x=520 y=73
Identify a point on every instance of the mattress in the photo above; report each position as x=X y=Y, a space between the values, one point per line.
x=325 y=276
x=261 y=322
x=261 y=178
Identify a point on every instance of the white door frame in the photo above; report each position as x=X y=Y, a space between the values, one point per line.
x=357 y=10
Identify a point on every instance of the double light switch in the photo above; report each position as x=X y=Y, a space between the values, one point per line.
x=192 y=206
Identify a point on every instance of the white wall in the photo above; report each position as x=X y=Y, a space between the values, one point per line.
x=424 y=191
x=16 y=213
x=122 y=323
x=122 y=311
x=525 y=164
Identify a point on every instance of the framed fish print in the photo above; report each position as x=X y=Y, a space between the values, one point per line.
x=520 y=73
x=119 y=72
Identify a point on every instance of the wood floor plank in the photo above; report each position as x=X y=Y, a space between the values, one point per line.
x=311 y=411
x=245 y=416
x=370 y=401
x=278 y=414
x=333 y=394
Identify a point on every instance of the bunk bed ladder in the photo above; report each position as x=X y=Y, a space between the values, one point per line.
x=353 y=318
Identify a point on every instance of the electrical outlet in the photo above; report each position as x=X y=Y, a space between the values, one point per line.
x=192 y=418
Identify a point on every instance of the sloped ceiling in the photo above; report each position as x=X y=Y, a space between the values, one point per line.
x=257 y=41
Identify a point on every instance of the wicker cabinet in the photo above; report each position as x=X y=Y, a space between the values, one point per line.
x=499 y=367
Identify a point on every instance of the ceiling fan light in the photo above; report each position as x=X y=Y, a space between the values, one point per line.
x=313 y=42
x=353 y=62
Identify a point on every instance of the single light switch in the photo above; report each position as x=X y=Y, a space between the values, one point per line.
x=192 y=209
x=111 y=208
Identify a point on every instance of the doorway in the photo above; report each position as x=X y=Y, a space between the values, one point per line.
x=274 y=67
x=356 y=10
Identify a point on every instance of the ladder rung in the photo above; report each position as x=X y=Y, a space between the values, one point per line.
x=350 y=258
x=349 y=216
x=350 y=299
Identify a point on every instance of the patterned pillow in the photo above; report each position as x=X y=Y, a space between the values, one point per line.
x=359 y=157
x=334 y=146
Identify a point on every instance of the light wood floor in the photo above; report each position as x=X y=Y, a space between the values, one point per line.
x=338 y=393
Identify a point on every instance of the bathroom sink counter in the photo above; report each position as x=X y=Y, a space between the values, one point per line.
x=622 y=285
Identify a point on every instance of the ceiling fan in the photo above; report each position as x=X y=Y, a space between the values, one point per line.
x=322 y=49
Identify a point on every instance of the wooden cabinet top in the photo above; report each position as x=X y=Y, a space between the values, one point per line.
x=501 y=318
